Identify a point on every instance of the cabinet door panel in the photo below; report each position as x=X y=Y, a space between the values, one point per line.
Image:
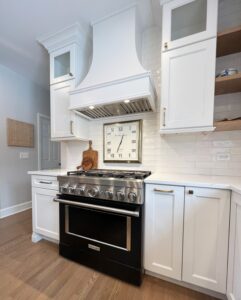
x=62 y=64
x=164 y=230
x=234 y=262
x=61 y=116
x=188 y=80
x=206 y=227
x=45 y=213
x=188 y=21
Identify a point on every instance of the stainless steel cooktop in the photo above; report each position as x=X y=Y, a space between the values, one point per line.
x=113 y=185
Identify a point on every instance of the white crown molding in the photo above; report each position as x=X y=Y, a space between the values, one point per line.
x=74 y=33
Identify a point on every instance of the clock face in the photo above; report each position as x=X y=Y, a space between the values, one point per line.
x=122 y=142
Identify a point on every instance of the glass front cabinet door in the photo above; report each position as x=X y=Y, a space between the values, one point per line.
x=62 y=64
x=188 y=21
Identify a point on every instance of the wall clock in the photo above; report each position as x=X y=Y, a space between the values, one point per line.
x=123 y=142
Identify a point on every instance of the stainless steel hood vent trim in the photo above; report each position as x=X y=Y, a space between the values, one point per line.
x=118 y=109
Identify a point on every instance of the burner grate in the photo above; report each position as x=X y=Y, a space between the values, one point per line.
x=121 y=174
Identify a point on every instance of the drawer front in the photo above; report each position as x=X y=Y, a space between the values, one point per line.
x=45 y=182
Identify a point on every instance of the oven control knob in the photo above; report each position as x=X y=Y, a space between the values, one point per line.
x=93 y=192
x=120 y=195
x=132 y=197
x=64 y=188
x=80 y=190
x=71 y=190
x=109 y=194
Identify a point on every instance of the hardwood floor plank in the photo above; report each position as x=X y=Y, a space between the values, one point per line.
x=37 y=272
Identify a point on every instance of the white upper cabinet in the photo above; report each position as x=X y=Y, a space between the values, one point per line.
x=234 y=262
x=206 y=231
x=188 y=65
x=188 y=21
x=65 y=124
x=164 y=230
x=187 y=90
x=70 y=52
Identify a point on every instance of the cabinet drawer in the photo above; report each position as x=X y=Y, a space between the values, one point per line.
x=45 y=182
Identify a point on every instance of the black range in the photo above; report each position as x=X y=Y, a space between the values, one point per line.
x=101 y=220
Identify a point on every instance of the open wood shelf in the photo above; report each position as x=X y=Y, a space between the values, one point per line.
x=228 y=125
x=229 y=41
x=228 y=84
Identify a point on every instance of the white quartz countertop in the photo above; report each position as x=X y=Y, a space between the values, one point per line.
x=219 y=182
x=54 y=172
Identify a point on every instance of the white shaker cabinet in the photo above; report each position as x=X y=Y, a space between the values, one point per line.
x=206 y=231
x=45 y=211
x=188 y=83
x=186 y=236
x=234 y=262
x=186 y=22
x=164 y=230
x=65 y=124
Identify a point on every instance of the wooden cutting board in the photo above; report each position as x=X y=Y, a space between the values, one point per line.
x=90 y=159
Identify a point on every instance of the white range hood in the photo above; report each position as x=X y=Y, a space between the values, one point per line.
x=117 y=83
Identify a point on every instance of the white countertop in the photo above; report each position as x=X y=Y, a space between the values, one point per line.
x=54 y=172
x=220 y=182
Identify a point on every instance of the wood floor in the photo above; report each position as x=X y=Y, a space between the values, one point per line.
x=37 y=272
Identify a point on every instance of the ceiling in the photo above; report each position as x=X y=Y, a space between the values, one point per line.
x=22 y=22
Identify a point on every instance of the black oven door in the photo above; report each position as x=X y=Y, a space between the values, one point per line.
x=107 y=229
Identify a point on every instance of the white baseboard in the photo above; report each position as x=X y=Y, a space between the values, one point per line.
x=8 y=211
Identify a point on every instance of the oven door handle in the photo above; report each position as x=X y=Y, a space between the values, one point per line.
x=98 y=207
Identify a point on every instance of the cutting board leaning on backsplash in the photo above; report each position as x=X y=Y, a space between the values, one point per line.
x=90 y=159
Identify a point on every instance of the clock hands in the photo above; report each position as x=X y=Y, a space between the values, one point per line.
x=120 y=143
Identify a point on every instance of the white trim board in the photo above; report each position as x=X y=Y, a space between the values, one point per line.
x=11 y=210
x=39 y=116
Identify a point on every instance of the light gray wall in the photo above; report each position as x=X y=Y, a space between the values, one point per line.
x=20 y=99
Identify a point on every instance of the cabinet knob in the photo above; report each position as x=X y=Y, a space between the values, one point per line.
x=190 y=192
x=166 y=45
x=71 y=74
